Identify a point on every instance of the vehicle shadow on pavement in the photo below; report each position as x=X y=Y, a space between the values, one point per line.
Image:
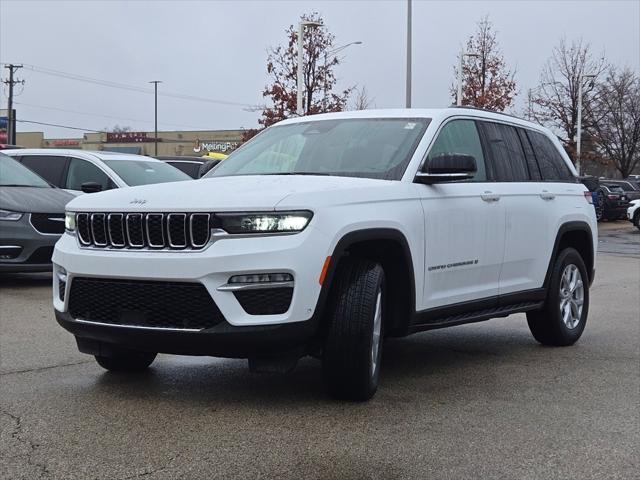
x=433 y=359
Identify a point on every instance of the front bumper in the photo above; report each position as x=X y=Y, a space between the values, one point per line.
x=223 y=340
x=301 y=255
x=34 y=248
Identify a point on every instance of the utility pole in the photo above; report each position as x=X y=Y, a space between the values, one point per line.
x=579 y=139
x=300 y=72
x=408 y=79
x=155 y=136
x=11 y=130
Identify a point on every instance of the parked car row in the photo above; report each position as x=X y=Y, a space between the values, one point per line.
x=38 y=183
x=611 y=198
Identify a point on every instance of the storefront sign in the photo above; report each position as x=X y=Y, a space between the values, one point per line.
x=129 y=137
x=65 y=142
x=214 y=146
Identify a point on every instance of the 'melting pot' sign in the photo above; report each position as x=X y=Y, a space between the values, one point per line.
x=213 y=146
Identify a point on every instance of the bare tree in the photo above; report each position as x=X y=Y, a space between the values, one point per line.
x=362 y=100
x=615 y=111
x=554 y=102
x=487 y=82
x=319 y=77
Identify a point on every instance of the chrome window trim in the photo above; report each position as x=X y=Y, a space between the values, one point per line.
x=124 y=240
x=146 y=223
x=106 y=240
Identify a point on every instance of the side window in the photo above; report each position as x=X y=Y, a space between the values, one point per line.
x=51 y=168
x=534 y=169
x=81 y=171
x=506 y=153
x=461 y=136
x=552 y=166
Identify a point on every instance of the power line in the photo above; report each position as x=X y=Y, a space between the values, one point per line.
x=57 y=109
x=61 y=126
x=133 y=88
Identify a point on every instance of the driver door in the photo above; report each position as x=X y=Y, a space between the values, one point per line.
x=464 y=226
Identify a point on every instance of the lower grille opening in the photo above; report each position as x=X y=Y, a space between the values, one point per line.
x=150 y=304
x=41 y=255
x=9 y=252
x=265 y=301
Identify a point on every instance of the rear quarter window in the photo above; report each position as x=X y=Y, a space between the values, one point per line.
x=552 y=165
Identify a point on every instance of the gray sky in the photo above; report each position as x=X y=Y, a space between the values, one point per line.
x=217 y=50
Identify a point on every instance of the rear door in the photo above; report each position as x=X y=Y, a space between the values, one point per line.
x=50 y=167
x=527 y=200
x=464 y=226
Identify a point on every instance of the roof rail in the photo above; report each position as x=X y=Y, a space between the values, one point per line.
x=470 y=107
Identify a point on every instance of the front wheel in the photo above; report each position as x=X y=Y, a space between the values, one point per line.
x=130 y=361
x=564 y=315
x=353 y=343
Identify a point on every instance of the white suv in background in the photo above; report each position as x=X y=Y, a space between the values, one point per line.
x=87 y=171
x=325 y=234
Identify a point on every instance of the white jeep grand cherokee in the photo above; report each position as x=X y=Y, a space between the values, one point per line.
x=325 y=234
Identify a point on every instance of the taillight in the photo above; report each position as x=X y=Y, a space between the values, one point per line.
x=613 y=197
x=588 y=196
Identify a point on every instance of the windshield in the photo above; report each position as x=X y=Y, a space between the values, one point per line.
x=139 y=172
x=14 y=174
x=366 y=147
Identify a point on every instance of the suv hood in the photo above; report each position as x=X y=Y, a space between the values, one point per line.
x=34 y=199
x=237 y=193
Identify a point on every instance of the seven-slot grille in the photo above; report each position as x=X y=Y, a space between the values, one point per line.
x=176 y=231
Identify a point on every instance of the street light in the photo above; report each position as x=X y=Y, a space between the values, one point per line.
x=408 y=74
x=579 y=139
x=155 y=137
x=326 y=54
x=460 y=62
x=301 y=25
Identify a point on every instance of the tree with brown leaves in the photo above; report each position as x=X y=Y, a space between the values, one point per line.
x=554 y=102
x=487 y=82
x=319 y=77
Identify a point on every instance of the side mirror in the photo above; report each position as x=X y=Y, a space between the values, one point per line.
x=448 y=167
x=91 y=187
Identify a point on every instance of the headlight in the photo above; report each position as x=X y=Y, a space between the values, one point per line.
x=10 y=216
x=280 y=222
x=70 y=221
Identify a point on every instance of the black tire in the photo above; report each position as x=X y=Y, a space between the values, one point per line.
x=548 y=325
x=348 y=367
x=636 y=220
x=130 y=361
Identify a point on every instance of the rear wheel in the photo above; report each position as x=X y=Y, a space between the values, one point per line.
x=636 y=220
x=353 y=343
x=130 y=361
x=564 y=315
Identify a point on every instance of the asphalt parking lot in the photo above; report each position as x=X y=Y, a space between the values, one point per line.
x=475 y=401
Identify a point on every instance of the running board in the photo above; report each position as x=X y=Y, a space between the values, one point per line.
x=472 y=316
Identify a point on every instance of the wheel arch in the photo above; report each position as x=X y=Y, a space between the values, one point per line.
x=390 y=247
x=578 y=235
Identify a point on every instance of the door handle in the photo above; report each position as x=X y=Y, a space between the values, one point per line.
x=490 y=197
x=546 y=195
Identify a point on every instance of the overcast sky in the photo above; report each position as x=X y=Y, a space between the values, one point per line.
x=218 y=49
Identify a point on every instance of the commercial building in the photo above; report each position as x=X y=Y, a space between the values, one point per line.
x=191 y=142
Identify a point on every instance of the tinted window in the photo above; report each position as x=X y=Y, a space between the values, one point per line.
x=81 y=171
x=506 y=153
x=532 y=163
x=51 y=168
x=551 y=162
x=461 y=136
x=16 y=175
x=140 y=172
x=190 y=168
